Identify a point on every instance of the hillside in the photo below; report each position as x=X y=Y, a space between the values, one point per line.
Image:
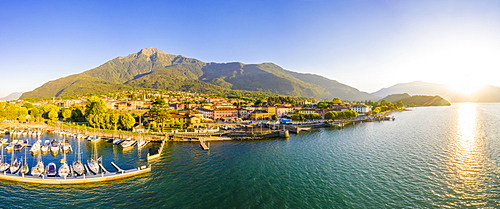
x=487 y=93
x=152 y=68
x=417 y=100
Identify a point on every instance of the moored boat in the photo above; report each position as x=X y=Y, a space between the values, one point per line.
x=38 y=169
x=51 y=169
x=15 y=166
x=128 y=143
x=93 y=166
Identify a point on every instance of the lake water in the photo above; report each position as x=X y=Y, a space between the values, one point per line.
x=428 y=157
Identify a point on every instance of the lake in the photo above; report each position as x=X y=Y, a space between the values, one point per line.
x=428 y=157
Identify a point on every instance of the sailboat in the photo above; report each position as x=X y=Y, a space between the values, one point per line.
x=25 y=169
x=92 y=164
x=78 y=167
x=38 y=169
x=64 y=170
x=3 y=165
x=15 y=166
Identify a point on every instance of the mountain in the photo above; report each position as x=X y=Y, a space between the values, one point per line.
x=152 y=68
x=418 y=100
x=12 y=96
x=487 y=93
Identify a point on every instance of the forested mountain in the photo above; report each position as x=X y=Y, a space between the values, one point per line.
x=152 y=68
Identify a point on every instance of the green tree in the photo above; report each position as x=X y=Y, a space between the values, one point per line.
x=114 y=119
x=66 y=114
x=337 y=100
x=127 y=121
x=53 y=115
x=298 y=117
x=23 y=112
x=330 y=115
x=400 y=104
x=95 y=106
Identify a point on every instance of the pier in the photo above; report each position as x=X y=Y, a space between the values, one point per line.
x=204 y=145
x=109 y=176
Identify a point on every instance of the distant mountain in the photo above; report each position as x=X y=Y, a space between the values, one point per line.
x=152 y=68
x=417 y=100
x=12 y=96
x=487 y=93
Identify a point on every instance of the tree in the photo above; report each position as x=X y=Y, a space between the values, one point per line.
x=66 y=114
x=298 y=117
x=53 y=115
x=127 y=121
x=400 y=104
x=23 y=112
x=114 y=119
x=337 y=100
x=330 y=115
x=95 y=106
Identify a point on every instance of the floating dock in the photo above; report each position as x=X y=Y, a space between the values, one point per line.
x=79 y=179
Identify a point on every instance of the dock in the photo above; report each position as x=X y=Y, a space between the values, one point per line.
x=76 y=180
x=204 y=145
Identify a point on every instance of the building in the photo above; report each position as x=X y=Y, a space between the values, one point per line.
x=362 y=109
x=225 y=113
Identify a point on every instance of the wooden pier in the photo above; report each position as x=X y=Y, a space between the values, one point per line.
x=204 y=145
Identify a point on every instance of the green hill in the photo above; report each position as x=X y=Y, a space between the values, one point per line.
x=152 y=68
x=418 y=100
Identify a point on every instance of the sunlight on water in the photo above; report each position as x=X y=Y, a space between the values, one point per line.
x=467 y=164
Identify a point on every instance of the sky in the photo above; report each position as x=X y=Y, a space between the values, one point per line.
x=366 y=44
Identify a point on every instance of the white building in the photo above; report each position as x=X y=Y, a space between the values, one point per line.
x=361 y=108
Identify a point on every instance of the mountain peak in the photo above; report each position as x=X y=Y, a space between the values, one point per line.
x=149 y=51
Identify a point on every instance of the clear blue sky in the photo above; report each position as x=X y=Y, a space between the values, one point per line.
x=365 y=44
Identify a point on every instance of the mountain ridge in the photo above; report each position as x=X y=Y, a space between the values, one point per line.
x=152 y=68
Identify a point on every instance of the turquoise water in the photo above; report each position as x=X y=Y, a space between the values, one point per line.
x=428 y=157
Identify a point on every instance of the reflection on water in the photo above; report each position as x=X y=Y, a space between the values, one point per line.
x=467 y=170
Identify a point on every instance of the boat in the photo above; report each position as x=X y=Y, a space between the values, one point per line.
x=15 y=166
x=45 y=147
x=54 y=147
x=4 y=141
x=78 y=166
x=25 y=169
x=3 y=165
x=142 y=143
x=64 y=170
x=18 y=147
x=118 y=141
x=128 y=143
x=38 y=169
x=51 y=169
x=35 y=148
x=93 y=166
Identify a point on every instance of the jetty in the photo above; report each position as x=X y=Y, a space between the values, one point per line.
x=204 y=145
x=109 y=176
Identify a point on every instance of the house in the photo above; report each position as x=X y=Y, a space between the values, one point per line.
x=361 y=108
x=225 y=113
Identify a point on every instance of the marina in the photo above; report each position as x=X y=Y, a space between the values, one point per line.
x=56 y=157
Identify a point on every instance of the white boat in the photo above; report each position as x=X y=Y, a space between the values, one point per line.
x=38 y=169
x=78 y=166
x=64 y=170
x=4 y=141
x=142 y=143
x=118 y=141
x=54 y=147
x=35 y=148
x=3 y=165
x=46 y=146
x=51 y=169
x=93 y=166
x=128 y=143
x=15 y=166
